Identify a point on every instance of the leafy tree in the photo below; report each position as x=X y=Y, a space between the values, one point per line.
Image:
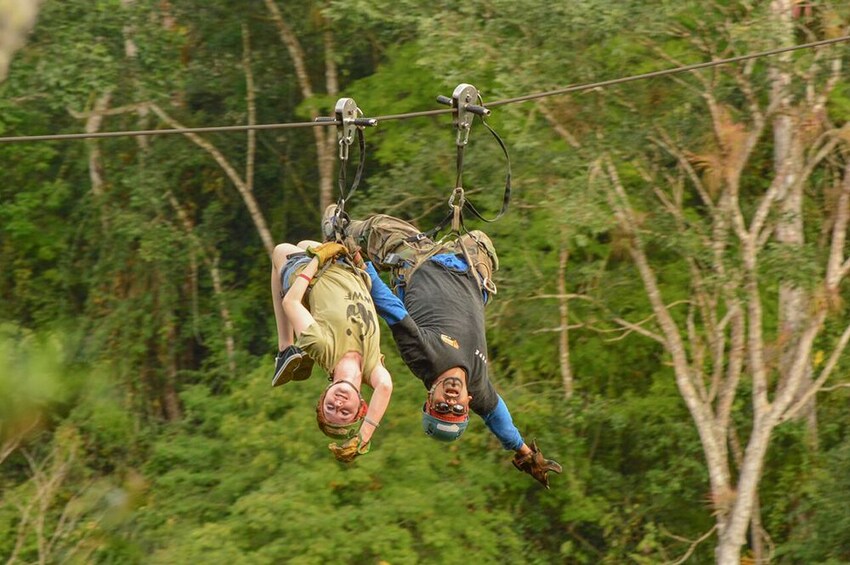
x=150 y=256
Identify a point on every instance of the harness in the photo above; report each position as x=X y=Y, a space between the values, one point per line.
x=405 y=258
x=459 y=240
x=470 y=245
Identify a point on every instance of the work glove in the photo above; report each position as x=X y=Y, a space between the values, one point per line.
x=536 y=465
x=350 y=449
x=326 y=251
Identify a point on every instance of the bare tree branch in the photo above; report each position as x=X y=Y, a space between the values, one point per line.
x=324 y=140
x=251 y=101
x=564 y=313
x=558 y=126
x=693 y=544
x=837 y=266
x=240 y=184
x=210 y=258
x=826 y=372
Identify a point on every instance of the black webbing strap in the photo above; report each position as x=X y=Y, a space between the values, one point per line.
x=342 y=180
x=506 y=198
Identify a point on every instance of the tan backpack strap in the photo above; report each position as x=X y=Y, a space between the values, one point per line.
x=473 y=267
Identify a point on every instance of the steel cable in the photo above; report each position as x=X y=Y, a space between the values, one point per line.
x=409 y=115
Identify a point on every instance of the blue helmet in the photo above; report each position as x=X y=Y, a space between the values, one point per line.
x=448 y=429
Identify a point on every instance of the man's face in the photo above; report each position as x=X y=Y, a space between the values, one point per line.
x=341 y=403
x=450 y=395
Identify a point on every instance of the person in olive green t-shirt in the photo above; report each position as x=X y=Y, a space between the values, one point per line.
x=338 y=329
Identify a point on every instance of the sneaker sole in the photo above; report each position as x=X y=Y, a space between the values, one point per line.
x=295 y=370
x=286 y=373
x=304 y=369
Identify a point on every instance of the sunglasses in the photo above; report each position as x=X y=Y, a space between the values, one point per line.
x=446 y=408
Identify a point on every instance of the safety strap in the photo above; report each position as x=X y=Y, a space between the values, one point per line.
x=464 y=112
x=341 y=178
x=506 y=198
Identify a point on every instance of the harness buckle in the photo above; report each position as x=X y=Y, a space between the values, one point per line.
x=393 y=260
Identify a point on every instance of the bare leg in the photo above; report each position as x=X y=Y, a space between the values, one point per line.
x=298 y=317
x=285 y=335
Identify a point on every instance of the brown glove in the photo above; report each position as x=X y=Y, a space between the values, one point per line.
x=326 y=251
x=536 y=465
x=350 y=449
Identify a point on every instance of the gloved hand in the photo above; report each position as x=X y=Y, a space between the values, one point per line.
x=350 y=449
x=536 y=465
x=326 y=251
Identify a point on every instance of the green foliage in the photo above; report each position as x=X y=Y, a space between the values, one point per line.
x=28 y=383
x=118 y=342
x=253 y=469
x=67 y=488
x=817 y=510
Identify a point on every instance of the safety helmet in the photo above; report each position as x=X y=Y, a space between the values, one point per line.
x=443 y=427
x=340 y=431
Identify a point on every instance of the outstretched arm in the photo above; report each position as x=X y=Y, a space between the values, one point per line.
x=500 y=423
x=382 y=382
x=526 y=459
x=387 y=304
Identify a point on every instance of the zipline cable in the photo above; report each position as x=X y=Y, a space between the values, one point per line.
x=665 y=72
x=139 y=133
x=409 y=115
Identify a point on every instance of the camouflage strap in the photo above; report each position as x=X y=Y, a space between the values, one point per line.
x=397 y=246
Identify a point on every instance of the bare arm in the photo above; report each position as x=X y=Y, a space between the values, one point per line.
x=382 y=382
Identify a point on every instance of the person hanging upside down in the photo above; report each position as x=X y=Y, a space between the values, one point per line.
x=339 y=330
x=437 y=320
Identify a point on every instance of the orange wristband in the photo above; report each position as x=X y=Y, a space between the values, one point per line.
x=305 y=277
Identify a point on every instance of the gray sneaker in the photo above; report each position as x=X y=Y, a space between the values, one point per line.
x=291 y=364
x=331 y=222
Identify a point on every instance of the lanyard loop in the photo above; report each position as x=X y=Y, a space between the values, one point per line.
x=466 y=103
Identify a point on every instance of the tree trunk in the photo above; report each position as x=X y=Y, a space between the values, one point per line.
x=210 y=258
x=564 y=334
x=733 y=535
x=328 y=154
x=788 y=156
x=93 y=123
x=324 y=138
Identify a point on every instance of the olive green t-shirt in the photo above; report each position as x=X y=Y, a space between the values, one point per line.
x=345 y=321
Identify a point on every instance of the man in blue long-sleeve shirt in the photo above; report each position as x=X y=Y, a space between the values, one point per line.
x=436 y=316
